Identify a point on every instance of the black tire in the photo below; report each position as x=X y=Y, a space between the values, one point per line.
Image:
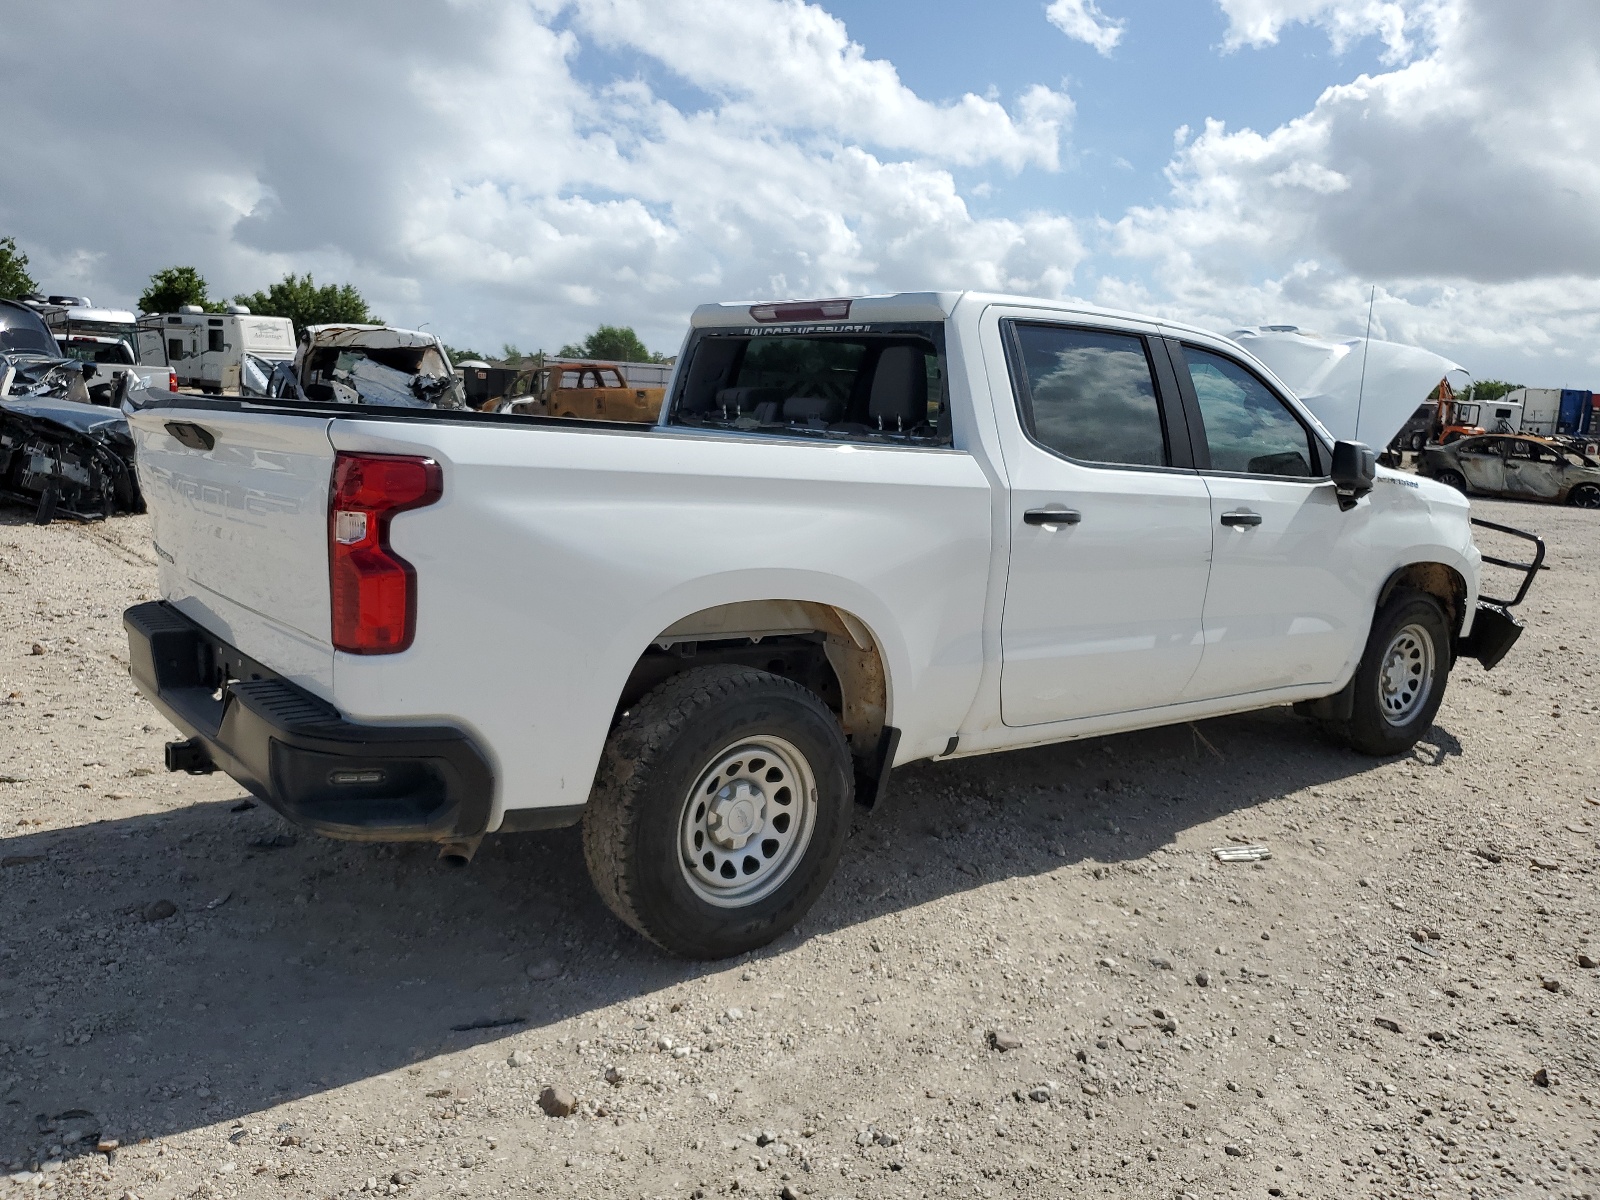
x=1585 y=495
x=1418 y=441
x=1453 y=479
x=654 y=764
x=1383 y=720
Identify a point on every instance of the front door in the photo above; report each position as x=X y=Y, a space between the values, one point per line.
x=1286 y=604
x=1534 y=470
x=1110 y=528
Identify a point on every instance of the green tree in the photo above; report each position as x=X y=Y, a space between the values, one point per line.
x=618 y=343
x=14 y=278
x=510 y=355
x=304 y=303
x=173 y=287
x=1485 y=391
x=461 y=354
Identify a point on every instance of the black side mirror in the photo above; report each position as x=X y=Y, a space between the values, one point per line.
x=1355 y=467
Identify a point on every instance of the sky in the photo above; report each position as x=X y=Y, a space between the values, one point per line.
x=520 y=171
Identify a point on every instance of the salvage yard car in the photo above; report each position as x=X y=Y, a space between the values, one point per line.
x=1523 y=468
x=861 y=533
x=584 y=390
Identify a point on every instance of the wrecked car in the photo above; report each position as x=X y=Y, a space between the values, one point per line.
x=59 y=453
x=367 y=364
x=587 y=391
x=1523 y=468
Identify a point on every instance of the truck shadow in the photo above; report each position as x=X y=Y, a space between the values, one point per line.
x=294 y=965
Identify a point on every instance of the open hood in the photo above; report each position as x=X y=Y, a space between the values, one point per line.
x=1327 y=376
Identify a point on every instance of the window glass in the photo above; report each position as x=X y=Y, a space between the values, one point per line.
x=1090 y=395
x=874 y=387
x=1248 y=429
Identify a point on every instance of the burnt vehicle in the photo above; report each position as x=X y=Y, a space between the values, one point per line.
x=1516 y=466
x=583 y=390
x=59 y=453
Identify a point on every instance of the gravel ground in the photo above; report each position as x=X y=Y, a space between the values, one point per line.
x=1030 y=976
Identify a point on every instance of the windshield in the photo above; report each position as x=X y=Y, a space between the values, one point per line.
x=116 y=353
x=125 y=333
x=883 y=384
x=21 y=331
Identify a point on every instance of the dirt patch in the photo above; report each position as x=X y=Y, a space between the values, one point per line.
x=1031 y=977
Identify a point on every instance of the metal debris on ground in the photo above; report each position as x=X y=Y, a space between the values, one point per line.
x=1241 y=853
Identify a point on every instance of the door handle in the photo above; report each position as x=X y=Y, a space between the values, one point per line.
x=1051 y=516
x=1242 y=517
x=191 y=435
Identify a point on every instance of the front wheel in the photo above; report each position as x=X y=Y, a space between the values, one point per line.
x=1585 y=495
x=1400 y=683
x=720 y=810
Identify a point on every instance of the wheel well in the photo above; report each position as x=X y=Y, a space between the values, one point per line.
x=1443 y=583
x=822 y=648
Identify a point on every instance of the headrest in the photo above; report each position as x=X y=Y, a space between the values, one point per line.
x=899 y=389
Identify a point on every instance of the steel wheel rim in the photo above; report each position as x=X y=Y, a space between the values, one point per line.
x=1587 y=496
x=1405 y=675
x=746 y=822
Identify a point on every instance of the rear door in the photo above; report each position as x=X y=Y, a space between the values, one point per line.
x=239 y=505
x=1483 y=463
x=1535 y=471
x=1288 y=598
x=1110 y=526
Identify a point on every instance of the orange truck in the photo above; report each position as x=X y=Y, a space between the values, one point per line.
x=585 y=390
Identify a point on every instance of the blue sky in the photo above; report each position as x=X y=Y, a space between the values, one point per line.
x=522 y=170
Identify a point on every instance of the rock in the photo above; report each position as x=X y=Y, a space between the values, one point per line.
x=1587 y=963
x=1386 y=1023
x=403 y=1178
x=1550 y=985
x=1233 y=1151
x=614 y=1076
x=1039 y=1095
x=1541 y=1077
x=1202 y=979
x=663 y=1042
x=788 y=1193
x=864 y=1138
x=519 y=1058
x=557 y=1102
x=37 y=649
x=160 y=910
x=1265 y=936
x=544 y=970
x=1002 y=1041
x=734 y=1014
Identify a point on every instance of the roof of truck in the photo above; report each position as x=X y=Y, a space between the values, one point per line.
x=902 y=306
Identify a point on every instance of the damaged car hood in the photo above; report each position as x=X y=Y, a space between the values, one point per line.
x=1361 y=391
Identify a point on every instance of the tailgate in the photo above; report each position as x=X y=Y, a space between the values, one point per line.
x=239 y=506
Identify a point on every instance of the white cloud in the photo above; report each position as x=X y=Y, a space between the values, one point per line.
x=1258 y=22
x=456 y=165
x=1082 y=21
x=1464 y=184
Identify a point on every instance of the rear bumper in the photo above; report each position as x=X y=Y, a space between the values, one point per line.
x=344 y=779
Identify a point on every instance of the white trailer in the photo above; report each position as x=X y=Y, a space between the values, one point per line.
x=208 y=350
x=1541 y=408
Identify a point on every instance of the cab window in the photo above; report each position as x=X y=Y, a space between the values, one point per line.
x=1249 y=430
x=1089 y=395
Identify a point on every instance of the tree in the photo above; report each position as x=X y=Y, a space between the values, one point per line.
x=461 y=354
x=510 y=355
x=1485 y=391
x=173 y=287
x=14 y=278
x=304 y=303
x=618 y=343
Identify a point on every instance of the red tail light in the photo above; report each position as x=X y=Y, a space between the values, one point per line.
x=172 y=380
x=374 y=590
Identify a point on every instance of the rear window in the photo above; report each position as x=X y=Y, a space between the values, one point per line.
x=887 y=385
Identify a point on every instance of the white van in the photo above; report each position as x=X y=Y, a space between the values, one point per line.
x=208 y=350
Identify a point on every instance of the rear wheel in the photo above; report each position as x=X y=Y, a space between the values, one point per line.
x=1585 y=495
x=1400 y=683
x=720 y=810
x=1452 y=479
x=1418 y=441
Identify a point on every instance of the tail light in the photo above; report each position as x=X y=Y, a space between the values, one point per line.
x=802 y=310
x=172 y=380
x=374 y=590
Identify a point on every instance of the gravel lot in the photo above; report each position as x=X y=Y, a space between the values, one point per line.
x=195 y=1001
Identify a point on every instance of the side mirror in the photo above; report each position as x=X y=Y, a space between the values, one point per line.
x=1355 y=467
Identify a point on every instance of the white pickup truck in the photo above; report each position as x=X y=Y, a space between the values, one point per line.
x=863 y=532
